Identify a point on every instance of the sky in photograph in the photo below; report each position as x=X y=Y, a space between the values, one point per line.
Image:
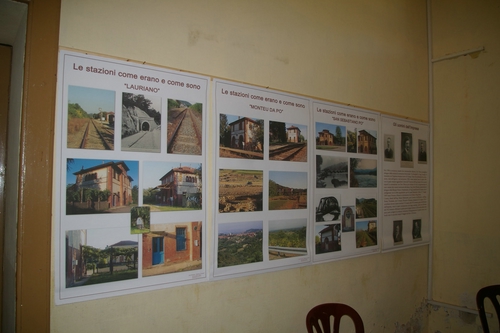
x=302 y=128
x=237 y=227
x=363 y=225
x=91 y=99
x=291 y=179
x=102 y=237
x=153 y=171
x=231 y=118
x=332 y=160
x=287 y=224
x=372 y=132
x=79 y=164
x=367 y=164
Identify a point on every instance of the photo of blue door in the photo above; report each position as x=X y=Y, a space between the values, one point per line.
x=158 y=257
x=180 y=238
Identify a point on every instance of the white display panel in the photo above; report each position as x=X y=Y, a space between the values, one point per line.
x=262 y=180
x=406 y=183
x=347 y=198
x=130 y=161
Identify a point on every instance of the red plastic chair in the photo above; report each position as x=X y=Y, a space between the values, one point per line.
x=319 y=318
x=491 y=292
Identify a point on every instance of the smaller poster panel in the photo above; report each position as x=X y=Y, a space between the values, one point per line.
x=347 y=182
x=406 y=183
x=129 y=171
x=262 y=180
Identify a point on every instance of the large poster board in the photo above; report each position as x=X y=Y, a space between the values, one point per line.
x=347 y=182
x=406 y=183
x=129 y=170
x=296 y=181
x=262 y=180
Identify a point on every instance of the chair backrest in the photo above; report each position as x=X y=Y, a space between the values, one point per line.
x=322 y=314
x=491 y=292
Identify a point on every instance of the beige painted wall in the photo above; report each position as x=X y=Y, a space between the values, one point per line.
x=466 y=118
x=364 y=53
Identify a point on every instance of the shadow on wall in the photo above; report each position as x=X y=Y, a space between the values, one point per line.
x=447 y=320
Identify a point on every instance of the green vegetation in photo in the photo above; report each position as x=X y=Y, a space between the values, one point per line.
x=288 y=238
x=197 y=107
x=239 y=250
x=116 y=276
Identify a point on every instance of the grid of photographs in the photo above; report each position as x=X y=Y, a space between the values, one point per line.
x=346 y=182
x=131 y=153
x=293 y=181
x=262 y=175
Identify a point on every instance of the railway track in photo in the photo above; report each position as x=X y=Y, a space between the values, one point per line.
x=288 y=152
x=97 y=136
x=239 y=153
x=186 y=136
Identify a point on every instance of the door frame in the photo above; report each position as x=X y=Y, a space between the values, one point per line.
x=34 y=228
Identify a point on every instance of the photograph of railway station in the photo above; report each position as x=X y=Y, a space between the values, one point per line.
x=91 y=118
x=287 y=142
x=99 y=186
x=172 y=186
x=241 y=137
x=330 y=137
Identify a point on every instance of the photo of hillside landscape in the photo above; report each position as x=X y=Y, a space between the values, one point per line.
x=239 y=243
x=240 y=190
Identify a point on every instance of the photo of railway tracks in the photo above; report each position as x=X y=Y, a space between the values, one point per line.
x=366 y=233
x=366 y=208
x=91 y=118
x=287 y=142
x=184 y=129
